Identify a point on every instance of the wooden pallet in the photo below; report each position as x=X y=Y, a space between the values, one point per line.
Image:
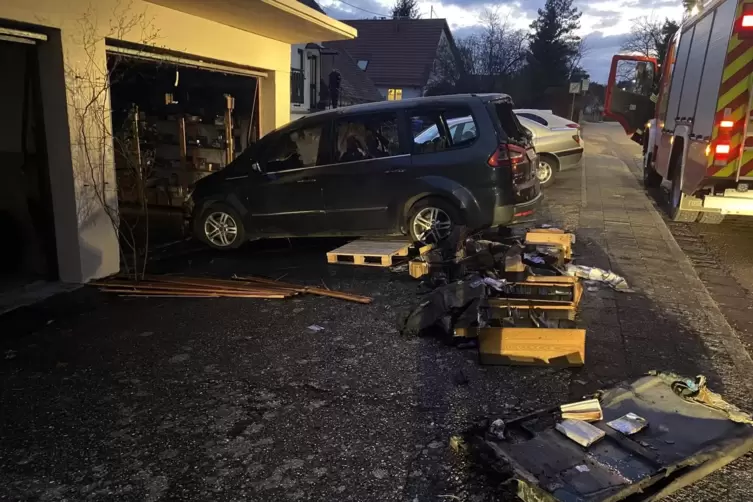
x=371 y=253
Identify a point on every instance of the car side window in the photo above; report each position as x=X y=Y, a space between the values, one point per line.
x=429 y=133
x=435 y=131
x=535 y=118
x=366 y=137
x=465 y=128
x=293 y=150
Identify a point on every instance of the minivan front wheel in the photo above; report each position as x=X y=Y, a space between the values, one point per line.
x=221 y=227
x=432 y=220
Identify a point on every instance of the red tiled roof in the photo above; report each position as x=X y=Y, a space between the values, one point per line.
x=400 y=52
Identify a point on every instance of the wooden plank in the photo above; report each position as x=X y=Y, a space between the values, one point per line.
x=422 y=250
x=136 y=290
x=552 y=279
x=188 y=286
x=368 y=247
x=204 y=281
x=309 y=289
x=532 y=346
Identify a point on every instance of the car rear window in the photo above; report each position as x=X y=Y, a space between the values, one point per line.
x=508 y=121
x=534 y=117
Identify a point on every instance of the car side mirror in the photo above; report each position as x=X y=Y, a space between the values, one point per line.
x=256 y=167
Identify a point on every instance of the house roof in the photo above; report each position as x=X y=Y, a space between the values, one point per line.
x=313 y=5
x=355 y=85
x=400 y=52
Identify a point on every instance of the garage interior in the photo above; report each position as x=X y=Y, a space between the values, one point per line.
x=174 y=122
x=28 y=253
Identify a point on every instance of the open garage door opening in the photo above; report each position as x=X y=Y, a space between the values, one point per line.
x=174 y=122
x=28 y=252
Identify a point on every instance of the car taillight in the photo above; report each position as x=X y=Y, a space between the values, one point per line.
x=573 y=126
x=507 y=155
x=744 y=25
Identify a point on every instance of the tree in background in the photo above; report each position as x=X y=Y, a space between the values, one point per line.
x=498 y=50
x=668 y=30
x=483 y=62
x=406 y=9
x=645 y=37
x=553 y=45
x=691 y=5
x=648 y=37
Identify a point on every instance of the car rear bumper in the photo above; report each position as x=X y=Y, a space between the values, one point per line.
x=732 y=202
x=570 y=159
x=523 y=212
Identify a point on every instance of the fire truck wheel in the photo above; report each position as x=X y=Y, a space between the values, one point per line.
x=711 y=218
x=651 y=179
x=675 y=200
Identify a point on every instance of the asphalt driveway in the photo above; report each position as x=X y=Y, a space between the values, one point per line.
x=109 y=398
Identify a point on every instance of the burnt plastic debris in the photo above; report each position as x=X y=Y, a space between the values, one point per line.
x=689 y=433
x=443 y=306
x=466 y=270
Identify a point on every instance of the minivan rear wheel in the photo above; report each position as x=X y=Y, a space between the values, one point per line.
x=432 y=220
x=221 y=227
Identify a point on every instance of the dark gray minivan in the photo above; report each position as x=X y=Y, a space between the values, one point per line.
x=368 y=169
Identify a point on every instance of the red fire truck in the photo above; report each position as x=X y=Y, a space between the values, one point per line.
x=695 y=124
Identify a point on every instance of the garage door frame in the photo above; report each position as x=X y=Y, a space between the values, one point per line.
x=185 y=60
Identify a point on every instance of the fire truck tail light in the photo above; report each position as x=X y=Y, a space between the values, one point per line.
x=727 y=124
x=747 y=21
x=722 y=149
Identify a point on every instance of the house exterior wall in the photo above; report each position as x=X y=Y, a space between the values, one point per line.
x=299 y=110
x=86 y=242
x=408 y=92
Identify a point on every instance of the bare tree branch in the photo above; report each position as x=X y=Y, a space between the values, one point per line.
x=89 y=83
x=645 y=37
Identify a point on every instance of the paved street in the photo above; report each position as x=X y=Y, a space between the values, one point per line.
x=107 y=398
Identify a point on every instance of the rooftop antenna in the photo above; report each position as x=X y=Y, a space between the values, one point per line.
x=431 y=13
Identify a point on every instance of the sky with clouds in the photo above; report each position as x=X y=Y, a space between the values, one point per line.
x=604 y=24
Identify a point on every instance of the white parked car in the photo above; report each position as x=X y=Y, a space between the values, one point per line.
x=557 y=141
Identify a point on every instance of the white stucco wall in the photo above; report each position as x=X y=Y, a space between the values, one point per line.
x=86 y=242
x=299 y=110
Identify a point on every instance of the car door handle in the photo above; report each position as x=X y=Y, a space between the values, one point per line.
x=391 y=171
x=306 y=180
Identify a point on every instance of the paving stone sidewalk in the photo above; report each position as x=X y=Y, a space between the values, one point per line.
x=670 y=321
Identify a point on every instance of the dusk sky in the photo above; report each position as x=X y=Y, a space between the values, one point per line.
x=604 y=23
